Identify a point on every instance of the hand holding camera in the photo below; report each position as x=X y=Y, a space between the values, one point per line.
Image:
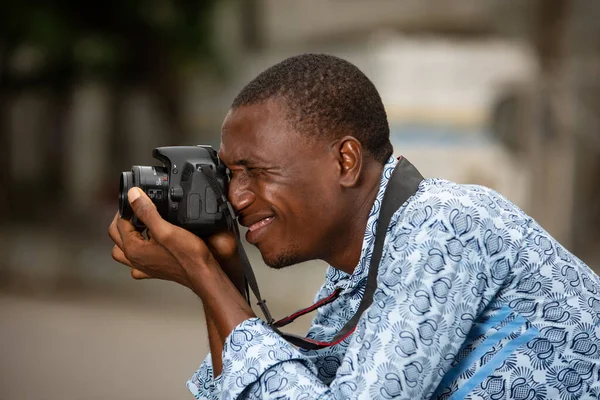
x=193 y=238
x=170 y=253
x=178 y=203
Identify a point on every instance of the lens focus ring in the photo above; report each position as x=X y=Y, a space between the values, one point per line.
x=126 y=183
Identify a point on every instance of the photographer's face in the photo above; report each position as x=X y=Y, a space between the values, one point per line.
x=283 y=186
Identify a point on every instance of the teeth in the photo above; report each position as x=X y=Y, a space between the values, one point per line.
x=259 y=224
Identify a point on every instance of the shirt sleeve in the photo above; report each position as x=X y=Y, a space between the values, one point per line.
x=203 y=385
x=260 y=364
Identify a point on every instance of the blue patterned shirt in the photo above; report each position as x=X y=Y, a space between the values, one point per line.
x=474 y=300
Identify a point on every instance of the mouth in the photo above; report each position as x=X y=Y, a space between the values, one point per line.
x=260 y=224
x=257 y=230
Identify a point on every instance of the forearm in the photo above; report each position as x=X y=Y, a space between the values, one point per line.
x=216 y=339
x=215 y=342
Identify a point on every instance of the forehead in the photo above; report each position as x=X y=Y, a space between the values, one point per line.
x=259 y=133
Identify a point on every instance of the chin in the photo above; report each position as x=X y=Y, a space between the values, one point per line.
x=282 y=258
x=278 y=261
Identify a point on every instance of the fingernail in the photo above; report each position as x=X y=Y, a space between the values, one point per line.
x=133 y=194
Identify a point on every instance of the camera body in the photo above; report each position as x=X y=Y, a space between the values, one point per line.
x=188 y=190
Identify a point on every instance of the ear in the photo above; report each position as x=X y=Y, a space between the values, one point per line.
x=349 y=156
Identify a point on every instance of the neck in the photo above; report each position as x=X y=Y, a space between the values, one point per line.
x=345 y=252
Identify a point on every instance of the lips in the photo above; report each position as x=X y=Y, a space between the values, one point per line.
x=260 y=224
x=257 y=228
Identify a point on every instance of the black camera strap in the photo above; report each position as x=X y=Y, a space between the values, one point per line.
x=224 y=206
x=403 y=183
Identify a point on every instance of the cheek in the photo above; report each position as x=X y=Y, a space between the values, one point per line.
x=311 y=213
x=300 y=203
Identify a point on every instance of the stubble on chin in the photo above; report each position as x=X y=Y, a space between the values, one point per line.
x=283 y=258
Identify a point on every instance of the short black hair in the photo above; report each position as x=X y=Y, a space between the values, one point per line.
x=327 y=96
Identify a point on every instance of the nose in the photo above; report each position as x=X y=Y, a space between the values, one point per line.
x=240 y=195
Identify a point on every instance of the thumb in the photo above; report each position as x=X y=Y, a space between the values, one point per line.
x=147 y=213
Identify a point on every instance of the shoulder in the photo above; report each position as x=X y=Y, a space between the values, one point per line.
x=450 y=238
x=460 y=210
x=466 y=228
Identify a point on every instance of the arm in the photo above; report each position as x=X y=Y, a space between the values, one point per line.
x=208 y=375
x=192 y=265
x=215 y=342
x=177 y=255
x=209 y=372
x=223 y=247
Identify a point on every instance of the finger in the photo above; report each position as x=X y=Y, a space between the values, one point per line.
x=147 y=213
x=119 y=256
x=137 y=274
x=128 y=234
x=221 y=238
x=223 y=246
x=113 y=231
x=187 y=248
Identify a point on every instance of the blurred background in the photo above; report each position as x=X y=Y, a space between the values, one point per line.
x=493 y=92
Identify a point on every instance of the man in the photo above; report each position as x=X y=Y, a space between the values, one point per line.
x=474 y=299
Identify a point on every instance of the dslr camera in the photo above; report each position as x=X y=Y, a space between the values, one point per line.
x=189 y=189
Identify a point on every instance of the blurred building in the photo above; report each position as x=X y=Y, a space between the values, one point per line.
x=486 y=92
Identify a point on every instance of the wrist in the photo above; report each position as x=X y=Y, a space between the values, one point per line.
x=199 y=274
x=203 y=274
x=233 y=269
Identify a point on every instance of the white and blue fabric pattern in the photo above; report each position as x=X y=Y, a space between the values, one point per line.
x=474 y=301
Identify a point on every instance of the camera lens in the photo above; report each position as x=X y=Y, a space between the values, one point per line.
x=152 y=180
x=126 y=184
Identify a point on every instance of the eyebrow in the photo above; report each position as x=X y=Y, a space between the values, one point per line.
x=244 y=162
x=241 y=162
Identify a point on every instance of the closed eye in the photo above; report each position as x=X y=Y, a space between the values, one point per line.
x=244 y=171
x=253 y=171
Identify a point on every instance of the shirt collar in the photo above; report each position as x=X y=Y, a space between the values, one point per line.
x=337 y=278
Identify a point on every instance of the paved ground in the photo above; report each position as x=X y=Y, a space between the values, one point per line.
x=96 y=349
x=127 y=340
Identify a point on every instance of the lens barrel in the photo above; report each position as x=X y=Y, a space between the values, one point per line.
x=154 y=181
x=126 y=184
